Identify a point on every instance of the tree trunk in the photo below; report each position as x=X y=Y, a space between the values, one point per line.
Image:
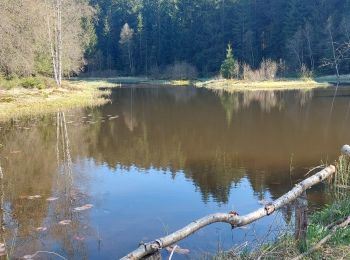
x=231 y=218
x=335 y=59
x=52 y=49
x=59 y=41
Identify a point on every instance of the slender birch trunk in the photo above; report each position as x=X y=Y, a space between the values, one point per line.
x=55 y=40
x=335 y=58
x=59 y=41
x=52 y=49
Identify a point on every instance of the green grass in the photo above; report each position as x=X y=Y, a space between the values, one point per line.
x=286 y=247
x=26 y=82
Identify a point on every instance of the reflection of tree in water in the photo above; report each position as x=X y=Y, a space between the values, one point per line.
x=173 y=133
x=232 y=102
x=304 y=96
x=215 y=178
x=30 y=151
x=193 y=137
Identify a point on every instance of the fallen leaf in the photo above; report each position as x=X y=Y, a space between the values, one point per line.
x=178 y=250
x=15 y=152
x=41 y=229
x=85 y=207
x=34 y=197
x=52 y=199
x=2 y=249
x=65 y=222
x=76 y=237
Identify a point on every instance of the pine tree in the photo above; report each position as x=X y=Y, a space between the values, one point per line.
x=229 y=68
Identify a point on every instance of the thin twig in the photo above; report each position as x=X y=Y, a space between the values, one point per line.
x=312 y=169
x=48 y=252
x=172 y=252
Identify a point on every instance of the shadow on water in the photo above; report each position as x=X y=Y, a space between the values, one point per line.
x=157 y=158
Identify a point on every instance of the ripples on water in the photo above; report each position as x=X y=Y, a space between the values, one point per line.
x=157 y=158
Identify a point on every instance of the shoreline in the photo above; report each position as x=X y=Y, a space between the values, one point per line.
x=269 y=85
x=20 y=102
x=321 y=224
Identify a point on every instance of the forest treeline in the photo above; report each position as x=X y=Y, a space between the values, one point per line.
x=154 y=37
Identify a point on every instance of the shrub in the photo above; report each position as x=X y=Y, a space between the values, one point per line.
x=180 y=70
x=267 y=71
x=305 y=73
x=32 y=82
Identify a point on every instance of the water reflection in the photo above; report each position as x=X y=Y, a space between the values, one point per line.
x=174 y=154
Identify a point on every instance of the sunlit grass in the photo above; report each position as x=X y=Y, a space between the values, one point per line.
x=19 y=102
x=181 y=82
x=242 y=85
x=118 y=81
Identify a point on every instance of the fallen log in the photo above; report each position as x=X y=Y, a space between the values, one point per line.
x=346 y=150
x=231 y=218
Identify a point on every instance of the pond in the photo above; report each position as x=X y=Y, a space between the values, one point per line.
x=93 y=183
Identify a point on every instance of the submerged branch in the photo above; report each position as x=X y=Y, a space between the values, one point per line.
x=231 y=218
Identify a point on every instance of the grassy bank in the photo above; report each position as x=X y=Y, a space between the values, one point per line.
x=35 y=96
x=118 y=81
x=242 y=85
x=320 y=225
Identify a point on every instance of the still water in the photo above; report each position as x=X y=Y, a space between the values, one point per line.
x=156 y=158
